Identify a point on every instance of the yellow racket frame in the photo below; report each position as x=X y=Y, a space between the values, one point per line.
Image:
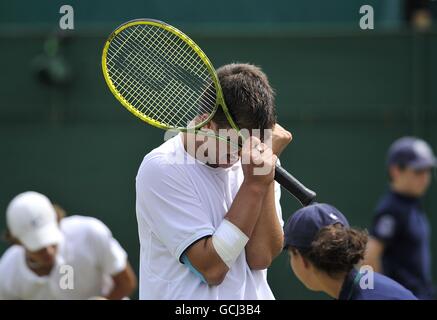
x=219 y=95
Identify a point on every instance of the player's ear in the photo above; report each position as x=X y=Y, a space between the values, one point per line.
x=211 y=125
x=305 y=262
x=300 y=258
x=207 y=126
x=394 y=171
x=202 y=118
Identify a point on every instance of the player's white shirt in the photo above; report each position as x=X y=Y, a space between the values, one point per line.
x=178 y=204
x=87 y=246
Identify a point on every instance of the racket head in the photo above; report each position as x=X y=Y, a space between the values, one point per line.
x=160 y=75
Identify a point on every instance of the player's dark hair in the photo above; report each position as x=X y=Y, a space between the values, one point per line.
x=336 y=249
x=248 y=96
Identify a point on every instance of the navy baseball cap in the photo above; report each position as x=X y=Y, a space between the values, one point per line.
x=411 y=152
x=302 y=227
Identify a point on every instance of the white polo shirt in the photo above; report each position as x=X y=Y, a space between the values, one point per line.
x=87 y=246
x=178 y=203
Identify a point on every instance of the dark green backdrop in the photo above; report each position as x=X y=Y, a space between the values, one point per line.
x=345 y=94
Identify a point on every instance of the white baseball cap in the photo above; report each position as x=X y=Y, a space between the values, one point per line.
x=31 y=218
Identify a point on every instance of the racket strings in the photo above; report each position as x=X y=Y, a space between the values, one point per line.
x=137 y=82
x=160 y=75
x=191 y=114
x=130 y=95
x=157 y=58
x=209 y=94
x=194 y=81
x=135 y=72
x=181 y=50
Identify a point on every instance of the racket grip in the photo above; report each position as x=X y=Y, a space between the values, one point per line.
x=304 y=195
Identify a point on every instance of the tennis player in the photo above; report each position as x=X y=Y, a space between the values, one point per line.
x=324 y=250
x=400 y=234
x=76 y=258
x=209 y=229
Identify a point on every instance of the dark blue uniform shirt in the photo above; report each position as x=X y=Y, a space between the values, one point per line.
x=384 y=288
x=402 y=226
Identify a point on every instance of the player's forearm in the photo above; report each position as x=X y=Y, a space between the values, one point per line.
x=266 y=241
x=243 y=213
x=124 y=284
x=247 y=206
x=118 y=293
x=215 y=255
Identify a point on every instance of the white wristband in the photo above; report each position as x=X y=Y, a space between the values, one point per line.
x=229 y=241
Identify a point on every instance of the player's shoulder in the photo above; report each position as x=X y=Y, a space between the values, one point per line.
x=388 y=289
x=11 y=267
x=163 y=161
x=166 y=151
x=388 y=205
x=389 y=219
x=78 y=226
x=9 y=260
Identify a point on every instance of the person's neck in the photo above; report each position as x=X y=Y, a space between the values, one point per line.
x=401 y=191
x=331 y=286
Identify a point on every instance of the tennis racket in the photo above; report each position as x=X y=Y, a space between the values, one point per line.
x=161 y=76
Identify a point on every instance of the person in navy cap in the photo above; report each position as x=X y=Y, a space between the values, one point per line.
x=324 y=251
x=399 y=245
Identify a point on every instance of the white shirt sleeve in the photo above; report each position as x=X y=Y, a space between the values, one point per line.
x=167 y=202
x=8 y=266
x=3 y=293
x=111 y=257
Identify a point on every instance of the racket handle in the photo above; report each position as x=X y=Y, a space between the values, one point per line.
x=292 y=185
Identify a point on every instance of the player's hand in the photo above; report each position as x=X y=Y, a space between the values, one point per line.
x=258 y=162
x=280 y=139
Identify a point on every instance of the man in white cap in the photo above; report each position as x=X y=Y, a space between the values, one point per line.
x=75 y=259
